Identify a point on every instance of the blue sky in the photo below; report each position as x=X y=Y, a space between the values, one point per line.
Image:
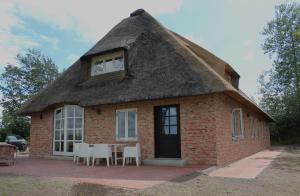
x=231 y=29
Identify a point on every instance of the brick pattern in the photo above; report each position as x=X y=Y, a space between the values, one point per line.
x=204 y=123
x=229 y=150
x=196 y=121
x=41 y=134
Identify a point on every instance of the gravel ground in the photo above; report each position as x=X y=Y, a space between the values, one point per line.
x=282 y=177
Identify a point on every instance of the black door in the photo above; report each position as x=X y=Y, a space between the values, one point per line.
x=167 y=131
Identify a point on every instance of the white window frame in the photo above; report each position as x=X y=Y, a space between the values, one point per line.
x=65 y=153
x=104 y=58
x=126 y=138
x=234 y=133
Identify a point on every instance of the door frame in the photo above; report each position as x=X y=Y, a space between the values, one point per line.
x=65 y=131
x=156 y=144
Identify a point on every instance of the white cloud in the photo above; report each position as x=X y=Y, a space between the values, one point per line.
x=91 y=20
x=52 y=40
x=94 y=18
x=11 y=44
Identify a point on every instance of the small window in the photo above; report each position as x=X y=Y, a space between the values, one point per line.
x=237 y=123
x=126 y=125
x=107 y=63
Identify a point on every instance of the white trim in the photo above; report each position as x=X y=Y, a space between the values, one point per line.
x=126 y=138
x=65 y=131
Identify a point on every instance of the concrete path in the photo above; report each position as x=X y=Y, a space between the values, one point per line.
x=249 y=167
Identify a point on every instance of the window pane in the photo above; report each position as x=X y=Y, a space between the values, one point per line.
x=70 y=134
x=131 y=123
x=98 y=68
x=62 y=135
x=62 y=123
x=78 y=112
x=57 y=124
x=173 y=111
x=70 y=124
x=69 y=146
x=109 y=65
x=173 y=130
x=78 y=123
x=118 y=64
x=173 y=120
x=166 y=120
x=121 y=124
x=56 y=146
x=238 y=123
x=70 y=111
x=233 y=124
x=78 y=134
x=165 y=111
x=57 y=133
x=61 y=146
x=166 y=130
x=58 y=114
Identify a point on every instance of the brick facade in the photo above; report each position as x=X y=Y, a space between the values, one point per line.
x=256 y=134
x=41 y=134
x=204 y=123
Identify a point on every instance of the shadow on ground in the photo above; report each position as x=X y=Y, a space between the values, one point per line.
x=83 y=189
x=289 y=161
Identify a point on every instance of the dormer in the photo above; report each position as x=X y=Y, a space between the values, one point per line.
x=232 y=76
x=105 y=65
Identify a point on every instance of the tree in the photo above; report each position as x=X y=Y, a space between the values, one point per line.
x=280 y=86
x=19 y=82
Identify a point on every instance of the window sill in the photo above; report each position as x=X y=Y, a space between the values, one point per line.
x=133 y=139
x=238 y=137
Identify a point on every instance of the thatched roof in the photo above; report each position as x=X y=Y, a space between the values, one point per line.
x=160 y=64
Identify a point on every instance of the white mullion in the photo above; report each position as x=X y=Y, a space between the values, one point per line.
x=65 y=126
x=126 y=124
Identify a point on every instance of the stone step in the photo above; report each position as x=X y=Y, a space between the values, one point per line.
x=166 y=162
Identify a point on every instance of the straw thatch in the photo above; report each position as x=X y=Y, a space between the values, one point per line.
x=159 y=64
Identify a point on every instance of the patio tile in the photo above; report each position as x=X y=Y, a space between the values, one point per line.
x=117 y=176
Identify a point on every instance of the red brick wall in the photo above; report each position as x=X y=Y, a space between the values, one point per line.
x=204 y=120
x=197 y=128
x=196 y=121
x=228 y=149
x=41 y=133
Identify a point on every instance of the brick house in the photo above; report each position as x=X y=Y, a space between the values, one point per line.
x=144 y=83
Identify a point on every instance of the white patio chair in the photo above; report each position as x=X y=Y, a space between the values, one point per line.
x=84 y=152
x=75 y=151
x=101 y=151
x=132 y=152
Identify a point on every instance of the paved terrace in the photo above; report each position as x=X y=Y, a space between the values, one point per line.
x=117 y=176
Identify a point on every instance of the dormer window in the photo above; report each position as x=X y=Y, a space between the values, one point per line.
x=107 y=63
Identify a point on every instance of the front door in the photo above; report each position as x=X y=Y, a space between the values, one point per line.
x=167 y=131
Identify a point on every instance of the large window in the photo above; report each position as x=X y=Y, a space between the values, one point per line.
x=107 y=63
x=237 y=123
x=126 y=124
x=68 y=129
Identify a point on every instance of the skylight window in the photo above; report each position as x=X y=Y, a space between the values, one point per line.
x=107 y=63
